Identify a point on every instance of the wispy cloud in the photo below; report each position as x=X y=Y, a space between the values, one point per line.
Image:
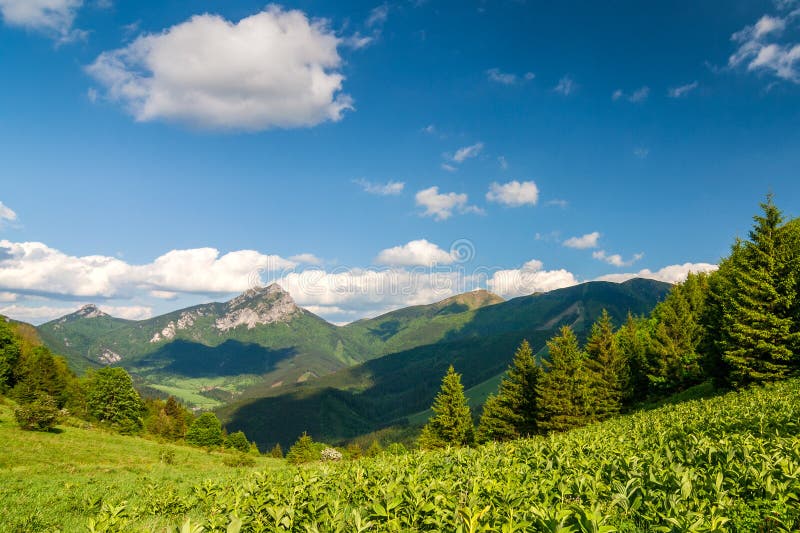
x=682 y=91
x=468 y=152
x=616 y=259
x=507 y=78
x=389 y=188
x=6 y=214
x=637 y=96
x=641 y=152
x=566 y=86
x=51 y=17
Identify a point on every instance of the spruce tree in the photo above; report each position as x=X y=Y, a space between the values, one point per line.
x=451 y=423
x=609 y=373
x=514 y=412
x=564 y=399
x=633 y=339
x=758 y=333
x=674 y=360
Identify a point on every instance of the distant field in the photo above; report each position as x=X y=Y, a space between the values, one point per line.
x=56 y=481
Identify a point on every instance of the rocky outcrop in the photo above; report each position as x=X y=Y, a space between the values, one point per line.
x=268 y=305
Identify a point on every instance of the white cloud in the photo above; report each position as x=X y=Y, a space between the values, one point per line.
x=441 y=206
x=682 y=90
x=760 y=48
x=415 y=253
x=306 y=258
x=274 y=69
x=566 y=86
x=430 y=129
x=584 y=241
x=6 y=214
x=639 y=95
x=503 y=78
x=468 y=152
x=448 y=167
x=8 y=297
x=529 y=279
x=615 y=259
x=378 y=16
x=501 y=160
x=35 y=268
x=53 y=17
x=514 y=193
x=668 y=274
x=389 y=188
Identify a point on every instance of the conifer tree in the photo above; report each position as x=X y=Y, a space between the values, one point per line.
x=633 y=339
x=758 y=333
x=564 y=401
x=609 y=373
x=674 y=360
x=514 y=412
x=451 y=423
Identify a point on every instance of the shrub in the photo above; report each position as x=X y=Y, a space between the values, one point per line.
x=303 y=451
x=40 y=415
x=237 y=441
x=205 y=431
x=167 y=456
x=238 y=459
x=330 y=454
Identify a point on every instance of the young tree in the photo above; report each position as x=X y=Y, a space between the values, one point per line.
x=276 y=451
x=303 y=451
x=451 y=423
x=674 y=359
x=514 y=412
x=753 y=305
x=205 y=431
x=238 y=441
x=633 y=340
x=564 y=400
x=113 y=400
x=610 y=375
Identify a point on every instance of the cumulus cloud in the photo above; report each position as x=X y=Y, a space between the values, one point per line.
x=441 y=206
x=762 y=48
x=274 y=69
x=514 y=193
x=52 y=17
x=682 y=90
x=639 y=95
x=390 y=188
x=415 y=253
x=584 y=241
x=668 y=274
x=615 y=259
x=308 y=259
x=529 y=279
x=566 y=86
x=6 y=214
x=35 y=268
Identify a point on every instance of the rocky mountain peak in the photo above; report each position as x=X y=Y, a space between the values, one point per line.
x=89 y=311
x=261 y=305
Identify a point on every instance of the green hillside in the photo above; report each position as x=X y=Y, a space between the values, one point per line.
x=385 y=390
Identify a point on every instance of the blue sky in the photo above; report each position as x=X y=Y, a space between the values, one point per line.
x=141 y=142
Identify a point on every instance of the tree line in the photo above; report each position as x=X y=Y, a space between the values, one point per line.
x=47 y=393
x=737 y=326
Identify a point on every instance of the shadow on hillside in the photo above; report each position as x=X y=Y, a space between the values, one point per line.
x=195 y=360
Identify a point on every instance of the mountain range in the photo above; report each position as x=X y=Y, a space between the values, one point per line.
x=274 y=369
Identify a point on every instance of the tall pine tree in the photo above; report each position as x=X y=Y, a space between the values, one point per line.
x=514 y=412
x=564 y=390
x=610 y=375
x=633 y=340
x=757 y=335
x=451 y=423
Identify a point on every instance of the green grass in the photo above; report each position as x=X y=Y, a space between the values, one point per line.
x=55 y=481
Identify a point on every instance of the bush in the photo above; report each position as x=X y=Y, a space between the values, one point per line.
x=167 y=456
x=113 y=401
x=303 y=451
x=237 y=441
x=40 y=415
x=330 y=454
x=238 y=459
x=205 y=431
